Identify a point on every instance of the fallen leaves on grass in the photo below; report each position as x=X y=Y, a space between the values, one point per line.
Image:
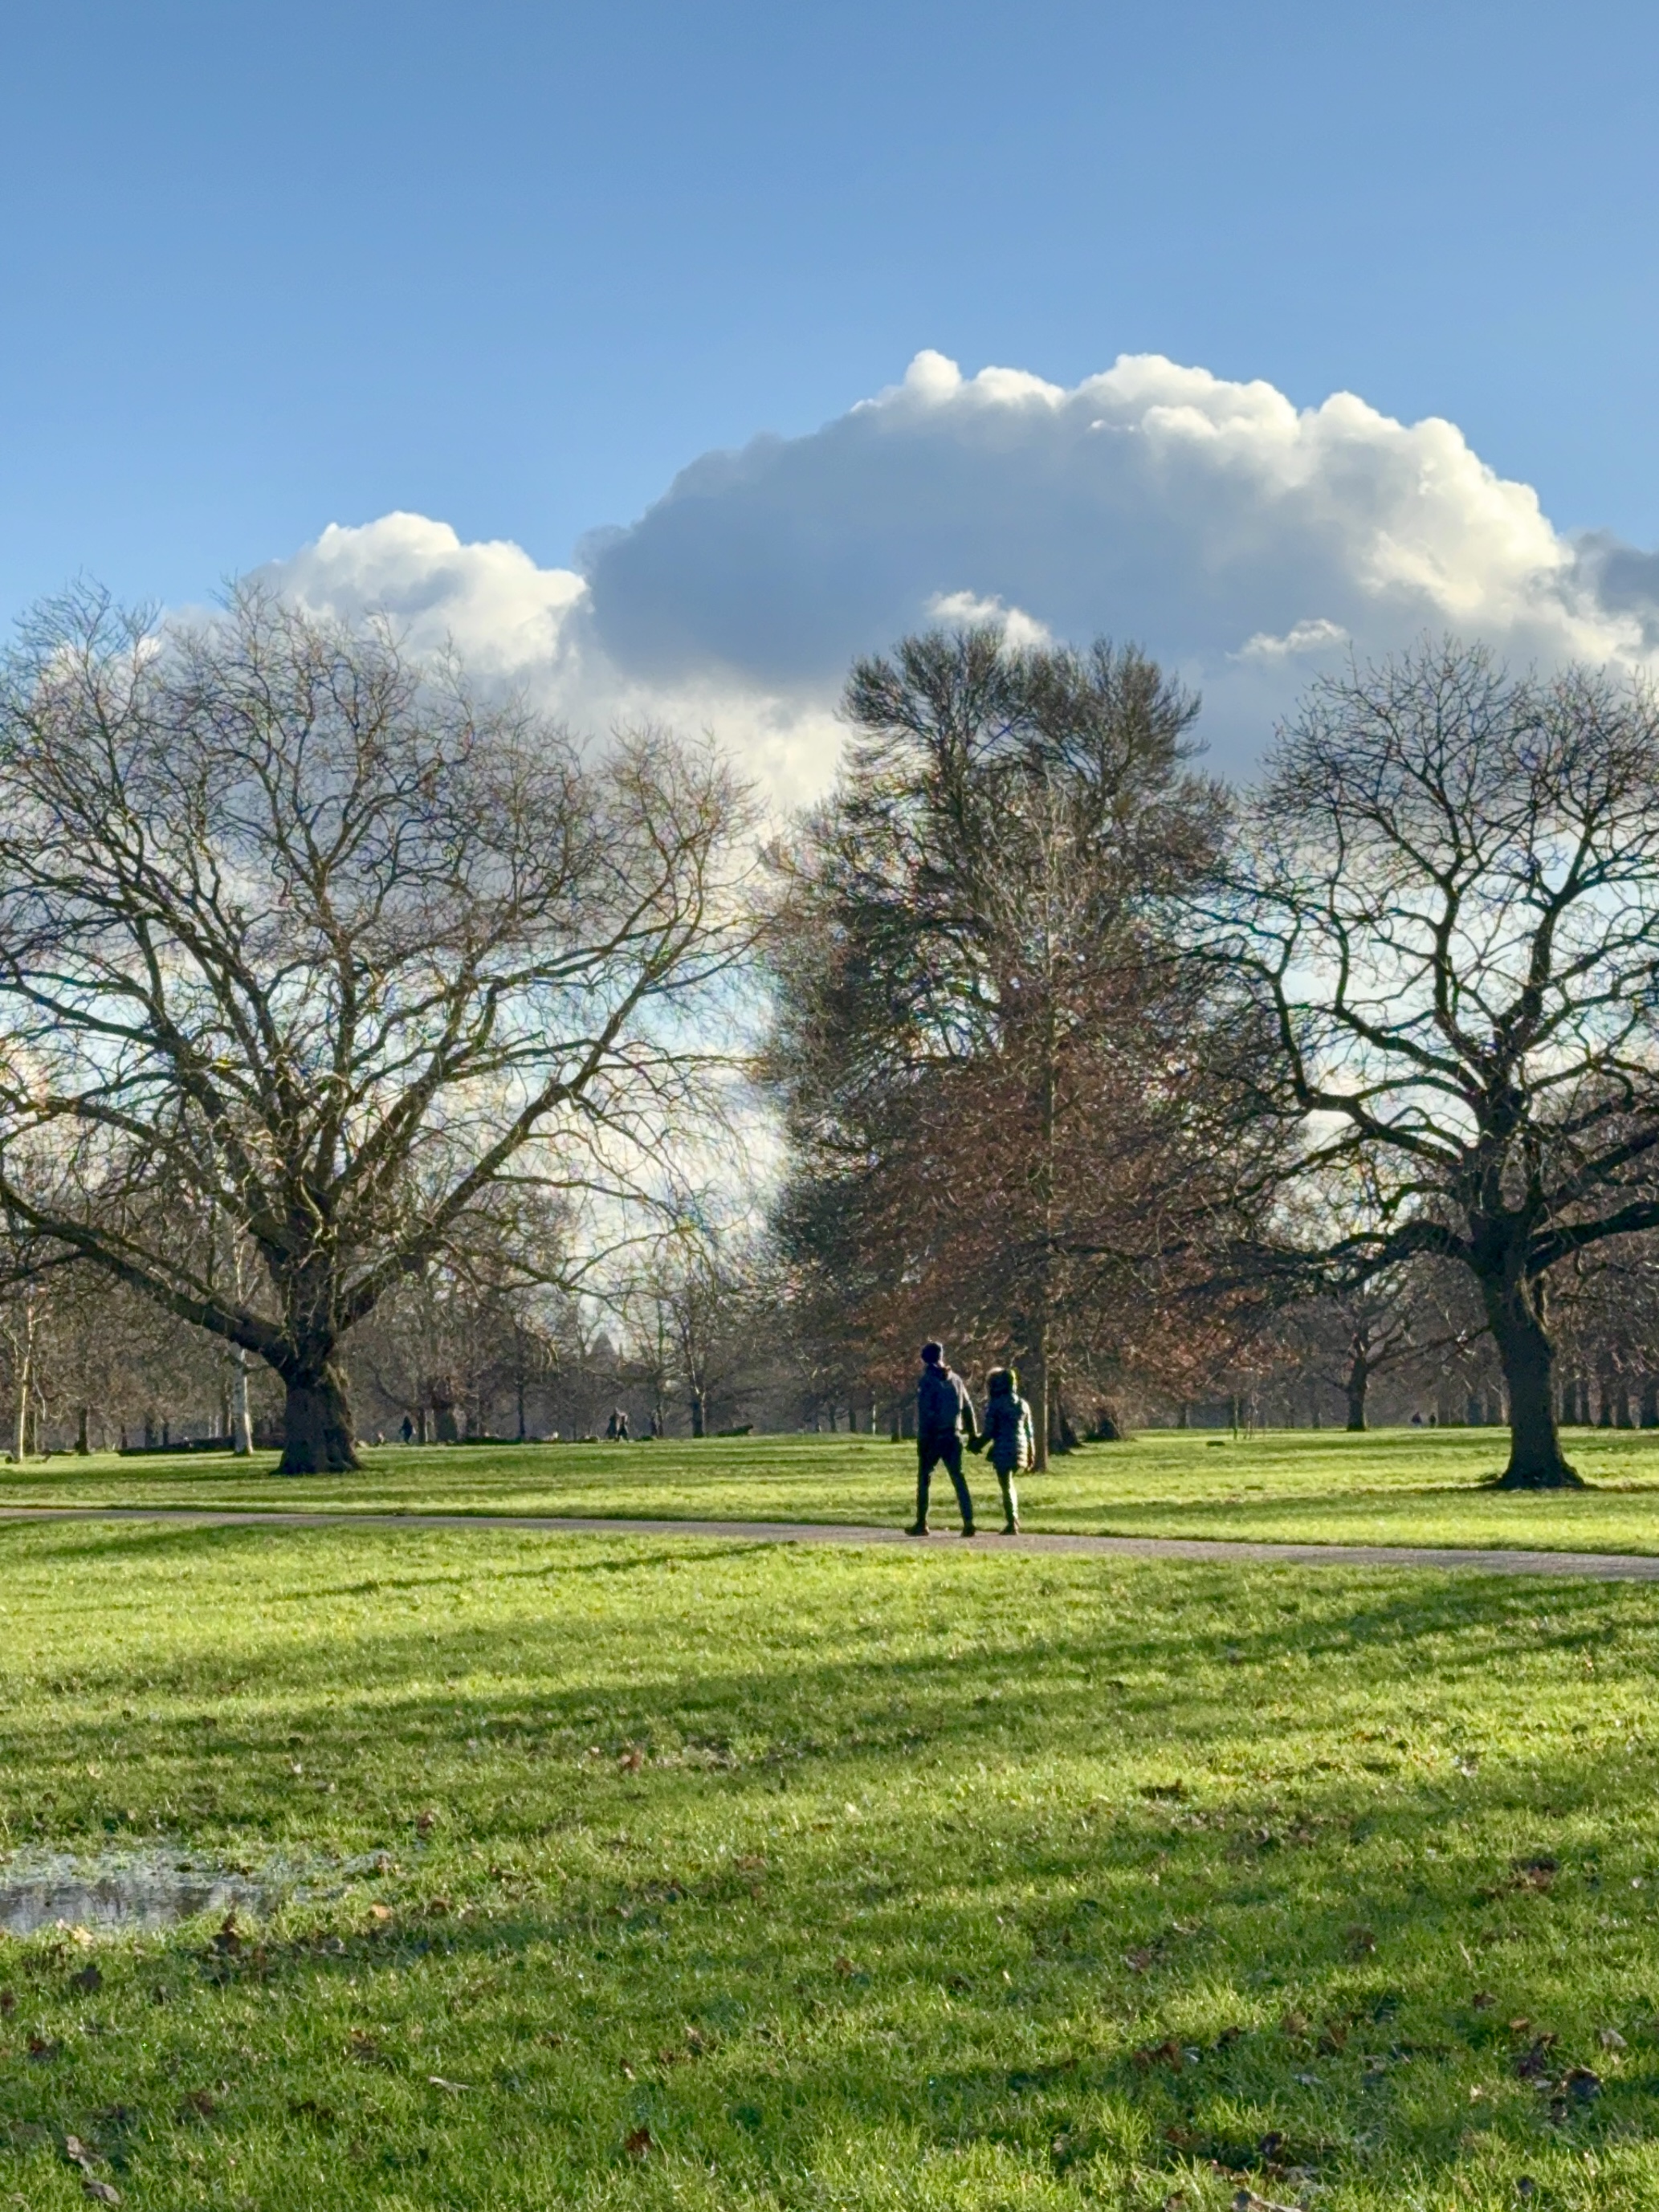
x=1361 y=1940
x=1610 y=2039
x=77 y=2153
x=8 y=2000
x=88 y=1978
x=426 y=1821
x=42 y=2051
x=640 y=2143
x=197 y=2105
x=455 y=2088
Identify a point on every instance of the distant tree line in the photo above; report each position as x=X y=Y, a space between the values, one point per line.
x=378 y=1058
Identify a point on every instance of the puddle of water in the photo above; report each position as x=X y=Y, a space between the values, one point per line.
x=153 y=1889
x=158 y=1888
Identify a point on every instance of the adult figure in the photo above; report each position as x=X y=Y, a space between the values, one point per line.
x=944 y=1420
x=1010 y=1439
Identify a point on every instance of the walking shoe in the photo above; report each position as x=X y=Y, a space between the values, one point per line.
x=917 y=1528
x=969 y=1530
x=1011 y=1528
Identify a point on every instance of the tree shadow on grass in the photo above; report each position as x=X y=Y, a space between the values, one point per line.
x=1083 y=1861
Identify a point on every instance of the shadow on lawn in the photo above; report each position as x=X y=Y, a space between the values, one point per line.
x=1175 y=1855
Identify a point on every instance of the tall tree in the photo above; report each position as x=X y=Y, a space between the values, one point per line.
x=294 y=932
x=1450 y=906
x=994 y=1075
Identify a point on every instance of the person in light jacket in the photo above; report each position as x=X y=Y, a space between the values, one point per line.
x=1010 y=1439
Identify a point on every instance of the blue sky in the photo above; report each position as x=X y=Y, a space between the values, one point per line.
x=513 y=266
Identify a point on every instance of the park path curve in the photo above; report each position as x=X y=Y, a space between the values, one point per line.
x=1595 y=1566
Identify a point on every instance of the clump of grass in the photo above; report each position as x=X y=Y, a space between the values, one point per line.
x=728 y=1875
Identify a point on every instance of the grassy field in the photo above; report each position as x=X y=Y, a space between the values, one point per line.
x=727 y=1874
x=1392 y=1486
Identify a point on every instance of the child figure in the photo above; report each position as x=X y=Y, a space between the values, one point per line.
x=1010 y=1440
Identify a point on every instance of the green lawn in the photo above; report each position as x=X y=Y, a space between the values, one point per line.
x=1395 y=1485
x=725 y=1874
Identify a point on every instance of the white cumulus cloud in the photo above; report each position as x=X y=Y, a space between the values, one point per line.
x=960 y=609
x=1244 y=541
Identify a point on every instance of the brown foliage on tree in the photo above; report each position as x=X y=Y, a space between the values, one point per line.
x=1003 y=1089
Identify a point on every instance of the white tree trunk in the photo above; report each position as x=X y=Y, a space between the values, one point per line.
x=241 y=1428
x=23 y=1353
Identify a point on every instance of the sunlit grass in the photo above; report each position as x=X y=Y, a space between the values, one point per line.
x=1392 y=1486
x=828 y=1878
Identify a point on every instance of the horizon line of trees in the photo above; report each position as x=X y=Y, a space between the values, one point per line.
x=371 y=1052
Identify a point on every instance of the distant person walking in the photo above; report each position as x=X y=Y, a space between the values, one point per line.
x=1010 y=1439
x=944 y=1420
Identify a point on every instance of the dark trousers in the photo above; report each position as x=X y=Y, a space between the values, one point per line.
x=930 y=1452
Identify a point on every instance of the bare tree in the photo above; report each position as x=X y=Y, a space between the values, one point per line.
x=1450 y=903
x=692 y=1312
x=293 y=932
x=1399 y=1321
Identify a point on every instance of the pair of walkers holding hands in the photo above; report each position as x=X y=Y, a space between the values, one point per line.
x=945 y=1424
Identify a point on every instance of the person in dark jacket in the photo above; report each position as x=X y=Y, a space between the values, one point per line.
x=1010 y=1439
x=944 y=1420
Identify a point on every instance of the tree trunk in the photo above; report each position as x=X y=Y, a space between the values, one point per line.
x=317 y=1433
x=1358 y=1381
x=23 y=1360
x=82 y=1423
x=1037 y=1362
x=1651 y=1401
x=699 y=1413
x=1528 y=1357
x=241 y=1427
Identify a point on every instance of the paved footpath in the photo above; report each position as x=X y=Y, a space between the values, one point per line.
x=1595 y=1566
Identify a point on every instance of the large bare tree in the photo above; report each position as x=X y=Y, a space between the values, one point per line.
x=297 y=938
x=1450 y=903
